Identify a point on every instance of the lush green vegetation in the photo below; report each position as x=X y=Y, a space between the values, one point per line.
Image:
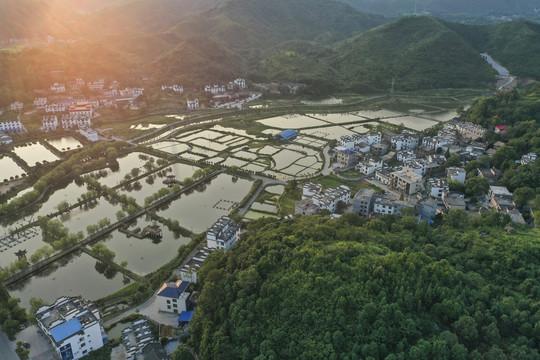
x=12 y=316
x=520 y=112
x=315 y=288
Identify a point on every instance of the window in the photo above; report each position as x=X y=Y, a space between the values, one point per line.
x=168 y=301
x=169 y=307
x=85 y=351
x=83 y=345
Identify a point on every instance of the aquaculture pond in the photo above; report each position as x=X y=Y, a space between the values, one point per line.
x=78 y=274
x=33 y=153
x=199 y=209
x=9 y=169
x=65 y=143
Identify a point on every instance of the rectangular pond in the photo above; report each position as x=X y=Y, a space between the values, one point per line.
x=65 y=143
x=9 y=168
x=292 y=122
x=199 y=209
x=411 y=122
x=33 y=153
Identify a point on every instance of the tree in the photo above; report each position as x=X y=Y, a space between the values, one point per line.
x=120 y=214
x=506 y=154
x=340 y=207
x=453 y=161
x=476 y=186
x=182 y=352
x=455 y=218
x=100 y=251
x=62 y=206
x=522 y=195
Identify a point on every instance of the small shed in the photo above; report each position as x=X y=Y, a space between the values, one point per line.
x=287 y=134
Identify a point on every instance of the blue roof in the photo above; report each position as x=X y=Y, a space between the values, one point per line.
x=173 y=290
x=347 y=152
x=65 y=330
x=185 y=316
x=287 y=134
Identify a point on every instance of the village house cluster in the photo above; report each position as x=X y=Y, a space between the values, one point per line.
x=411 y=170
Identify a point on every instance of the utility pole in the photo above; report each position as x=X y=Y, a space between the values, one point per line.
x=393 y=85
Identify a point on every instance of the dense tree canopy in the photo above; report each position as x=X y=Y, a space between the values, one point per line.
x=315 y=288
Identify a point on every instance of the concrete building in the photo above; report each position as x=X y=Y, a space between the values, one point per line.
x=73 y=327
x=384 y=205
x=379 y=149
x=528 y=158
x=172 y=297
x=215 y=89
x=16 y=106
x=469 y=130
x=346 y=157
x=81 y=109
x=405 y=155
x=58 y=88
x=223 y=234
x=40 y=102
x=456 y=174
x=436 y=187
x=427 y=208
x=405 y=141
x=383 y=176
x=90 y=134
x=189 y=271
x=241 y=83
x=454 y=201
x=363 y=202
x=314 y=199
x=193 y=104
x=406 y=181
x=369 y=164
x=53 y=108
x=176 y=88
x=136 y=338
x=11 y=126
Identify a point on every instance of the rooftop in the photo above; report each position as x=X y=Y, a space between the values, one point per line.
x=173 y=290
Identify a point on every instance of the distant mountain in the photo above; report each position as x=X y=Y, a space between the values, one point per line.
x=454 y=8
x=252 y=26
x=85 y=6
x=143 y=16
x=32 y=18
x=418 y=52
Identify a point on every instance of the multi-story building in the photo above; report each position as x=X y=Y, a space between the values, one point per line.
x=138 y=340
x=241 y=83
x=75 y=120
x=16 y=106
x=379 y=149
x=314 y=199
x=58 y=88
x=437 y=187
x=363 y=202
x=406 y=181
x=215 y=89
x=453 y=201
x=50 y=122
x=52 y=108
x=469 y=130
x=384 y=205
x=354 y=140
x=73 y=326
x=346 y=157
x=11 y=126
x=90 y=134
x=369 y=164
x=405 y=155
x=171 y=297
x=188 y=272
x=81 y=109
x=442 y=139
x=40 y=102
x=405 y=141
x=223 y=234
x=528 y=158
x=383 y=176
x=456 y=174
x=176 y=88
x=193 y=104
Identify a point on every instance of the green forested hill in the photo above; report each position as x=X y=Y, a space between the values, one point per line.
x=463 y=8
x=419 y=52
x=315 y=288
x=513 y=44
x=252 y=26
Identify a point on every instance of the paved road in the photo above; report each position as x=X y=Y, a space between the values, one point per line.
x=7 y=352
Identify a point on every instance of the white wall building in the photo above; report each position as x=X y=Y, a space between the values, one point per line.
x=241 y=83
x=16 y=106
x=215 y=89
x=528 y=158
x=405 y=155
x=58 y=88
x=11 y=125
x=73 y=327
x=193 y=104
x=52 y=108
x=40 y=102
x=405 y=141
x=386 y=206
x=172 y=297
x=437 y=187
x=176 y=88
x=456 y=174
x=369 y=165
x=90 y=134
x=223 y=234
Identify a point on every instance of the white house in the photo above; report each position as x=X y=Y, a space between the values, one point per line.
x=405 y=141
x=73 y=327
x=405 y=155
x=58 y=88
x=16 y=106
x=193 y=104
x=223 y=234
x=437 y=187
x=241 y=83
x=81 y=109
x=11 y=125
x=176 y=88
x=40 y=102
x=172 y=297
x=189 y=271
x=387 y=206
x=369 y=165
x=456 y=174
x=216 y=89
x=50 y=122
x=528 y=158
x=52 y=108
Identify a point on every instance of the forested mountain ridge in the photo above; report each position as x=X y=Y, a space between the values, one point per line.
x=315 y=288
